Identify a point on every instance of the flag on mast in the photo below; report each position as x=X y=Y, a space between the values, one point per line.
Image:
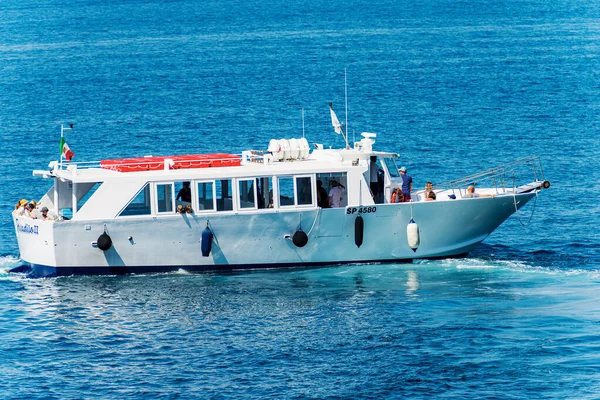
x=334 y=121
x=65 y=151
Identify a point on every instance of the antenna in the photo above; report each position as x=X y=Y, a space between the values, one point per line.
x=346 y=97
x=303 y=123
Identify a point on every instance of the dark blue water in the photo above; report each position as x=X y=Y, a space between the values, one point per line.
x=454 y=87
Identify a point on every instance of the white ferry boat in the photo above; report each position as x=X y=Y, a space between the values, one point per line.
x=260 y=209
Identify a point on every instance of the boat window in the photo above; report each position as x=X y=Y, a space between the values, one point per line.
x=295 y=191
x=224 y=196
x=286 y=191
x=392 y=167
x=247 y=193
x=341 y=179
x=164 y=197
x=265 y=192
x=140 y=204
x=304 y=190
x=85 y=191
x=206 y=196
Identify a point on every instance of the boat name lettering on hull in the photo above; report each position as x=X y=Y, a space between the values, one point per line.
x=361 y=210
x=26 y=228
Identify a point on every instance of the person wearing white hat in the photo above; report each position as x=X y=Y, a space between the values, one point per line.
x=407 y=183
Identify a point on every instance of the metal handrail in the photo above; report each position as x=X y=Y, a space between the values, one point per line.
x=498 y=174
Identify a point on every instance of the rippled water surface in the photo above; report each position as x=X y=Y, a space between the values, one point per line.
x=453 y=87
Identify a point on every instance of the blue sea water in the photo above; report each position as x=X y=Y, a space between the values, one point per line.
x=452 y=86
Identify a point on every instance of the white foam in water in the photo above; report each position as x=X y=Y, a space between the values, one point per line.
x=8 y=262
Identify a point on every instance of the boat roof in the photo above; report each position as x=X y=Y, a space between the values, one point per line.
x=250 y=165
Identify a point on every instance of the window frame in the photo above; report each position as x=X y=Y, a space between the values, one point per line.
x=253 y=182
x=295 y=187
x=312 y=190
x=173 y=202
x=143 y=188
x=196 y=198
x=233 y=189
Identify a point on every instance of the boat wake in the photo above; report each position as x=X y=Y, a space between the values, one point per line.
x=8 y=262
x=543 y=262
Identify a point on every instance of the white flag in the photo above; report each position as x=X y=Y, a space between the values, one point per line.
x=334 y=121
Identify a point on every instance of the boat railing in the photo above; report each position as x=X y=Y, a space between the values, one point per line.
x=506 y=178
x=150 y=163
x=57 y=165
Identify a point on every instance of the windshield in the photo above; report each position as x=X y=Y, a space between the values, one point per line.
x=392 y=168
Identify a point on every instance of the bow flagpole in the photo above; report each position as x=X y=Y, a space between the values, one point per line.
x=65 y=151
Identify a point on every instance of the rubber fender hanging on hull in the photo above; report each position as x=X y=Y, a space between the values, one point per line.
x=300 y=239
x=359 y=226
x=206 y=244
x=104 y=242
x=412 y=234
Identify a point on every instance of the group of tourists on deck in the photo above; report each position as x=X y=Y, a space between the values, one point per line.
x=30 y=209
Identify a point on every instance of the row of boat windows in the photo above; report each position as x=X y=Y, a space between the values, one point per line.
x=230 y=194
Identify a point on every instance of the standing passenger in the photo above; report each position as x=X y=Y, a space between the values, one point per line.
x=335 y=194
x=407 y=182
x=322 y=198
x=374 y=175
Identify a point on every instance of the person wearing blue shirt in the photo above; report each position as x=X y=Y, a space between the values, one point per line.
x=407 y=182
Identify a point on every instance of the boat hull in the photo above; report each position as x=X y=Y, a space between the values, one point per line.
x=261 y=239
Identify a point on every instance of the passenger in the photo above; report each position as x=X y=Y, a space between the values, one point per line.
x=335 y=194
x=45 y=215
x=185 y=193
x=428 y=188
x=431 y=196
x=397 y=196
x=471 y=193
x=407 y=184
x=35 y=213
x=30 y=210
x=374 y=175
x=20 y=207
x=322 y=198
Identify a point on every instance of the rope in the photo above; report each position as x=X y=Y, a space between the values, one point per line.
x=517 y=208
x=314 y=222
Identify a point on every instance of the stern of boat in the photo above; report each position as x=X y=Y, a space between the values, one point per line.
x=35 y=238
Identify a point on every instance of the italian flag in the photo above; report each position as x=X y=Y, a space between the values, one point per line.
x=65 y=151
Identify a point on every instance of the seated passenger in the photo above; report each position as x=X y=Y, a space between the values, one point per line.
x=29 y=211
x=45 y=216
x=185 y=193
x=397 y=196
x=471 y=193
x=20 y=207
x=431 y=196
x=428 y=189
x=34 y=212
